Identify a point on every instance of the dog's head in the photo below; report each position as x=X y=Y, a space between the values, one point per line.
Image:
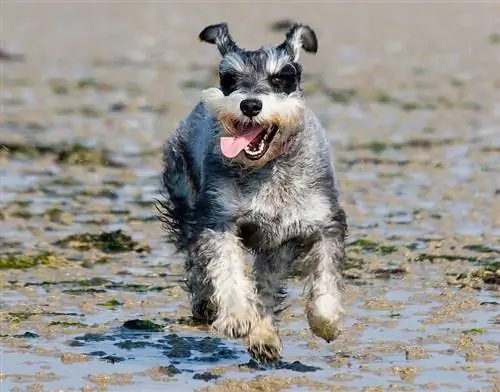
x=259 y=102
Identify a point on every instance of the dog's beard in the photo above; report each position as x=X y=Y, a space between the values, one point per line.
x=278 y=120
x=283 y=111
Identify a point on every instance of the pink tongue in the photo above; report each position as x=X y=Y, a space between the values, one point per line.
x=231 y=146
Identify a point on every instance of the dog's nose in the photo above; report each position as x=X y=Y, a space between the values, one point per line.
x=251 y=107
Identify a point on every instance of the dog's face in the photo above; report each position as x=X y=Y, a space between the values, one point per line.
x=259 y=101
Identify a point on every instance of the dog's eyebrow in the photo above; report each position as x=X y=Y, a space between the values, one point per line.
x=233 y=61
x=275 y=60
x=288 y=68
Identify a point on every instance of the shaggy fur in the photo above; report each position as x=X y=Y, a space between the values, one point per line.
x=282 y=209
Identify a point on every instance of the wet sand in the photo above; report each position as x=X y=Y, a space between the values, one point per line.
x=92 y=298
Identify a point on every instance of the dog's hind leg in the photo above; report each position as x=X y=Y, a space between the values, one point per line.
x=270 y=268
x=264 y=343
x=176 y=213
x=201 y=290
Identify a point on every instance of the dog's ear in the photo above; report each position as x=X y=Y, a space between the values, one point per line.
x=218 y=34
x=299 y=36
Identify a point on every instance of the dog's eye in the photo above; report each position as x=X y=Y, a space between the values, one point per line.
x=279 y=80
x=227 y=83
x=286 y=80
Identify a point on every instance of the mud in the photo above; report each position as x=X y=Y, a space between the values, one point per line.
x=92 y=298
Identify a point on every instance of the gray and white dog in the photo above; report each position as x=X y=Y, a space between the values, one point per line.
x=249 y=172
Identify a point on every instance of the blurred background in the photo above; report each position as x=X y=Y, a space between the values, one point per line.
x=410 y=96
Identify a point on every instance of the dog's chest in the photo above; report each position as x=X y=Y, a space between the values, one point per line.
x=289 y=200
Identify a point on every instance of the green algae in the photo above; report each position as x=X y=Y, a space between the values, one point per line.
x=61 y=86
x=143 y=325
x=436 y=257
x=480 y=248
x=384 y=98
x=372 y=246
x=112 y=303
x=78 y=154
x=22 y=214
x=92 y=282
x=109 y=242
x=475 y=331
x=17 y=317
x=65 y=153
x=378 y=146
x=57 y=215
x=84 y=291
x=26 y=150
x=134 y=287
x=91 y=264
x=93 y=83
x=104 y=193
x=494 y=39
x=15 y=261
x=486 y=275
x=68 y=324
x=343 y=96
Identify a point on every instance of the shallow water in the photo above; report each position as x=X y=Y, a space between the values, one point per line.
x=410 y=101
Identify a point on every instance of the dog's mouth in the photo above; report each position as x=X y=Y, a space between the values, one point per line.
x=259 y=146
x=253 y=139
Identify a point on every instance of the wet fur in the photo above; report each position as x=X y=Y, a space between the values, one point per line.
x=281 y=212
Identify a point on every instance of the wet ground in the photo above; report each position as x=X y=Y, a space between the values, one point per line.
x=92 y=298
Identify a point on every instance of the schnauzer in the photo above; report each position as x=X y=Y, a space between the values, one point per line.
x=249 y=173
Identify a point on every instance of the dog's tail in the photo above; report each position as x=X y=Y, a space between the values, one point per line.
x=176 y=207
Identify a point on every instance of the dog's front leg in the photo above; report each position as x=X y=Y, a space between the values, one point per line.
x=219 y=256
x=324 y=288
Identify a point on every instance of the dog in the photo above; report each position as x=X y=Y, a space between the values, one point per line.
x=249 y=173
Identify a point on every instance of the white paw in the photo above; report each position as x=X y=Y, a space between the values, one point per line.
x=264 y=343
x=235 y=325
x=324 y=314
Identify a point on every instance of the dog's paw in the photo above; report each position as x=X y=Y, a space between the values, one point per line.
x=264 y=343
x=266 y=352
x=324 y=328
x=324 y=316
x=235 y=326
